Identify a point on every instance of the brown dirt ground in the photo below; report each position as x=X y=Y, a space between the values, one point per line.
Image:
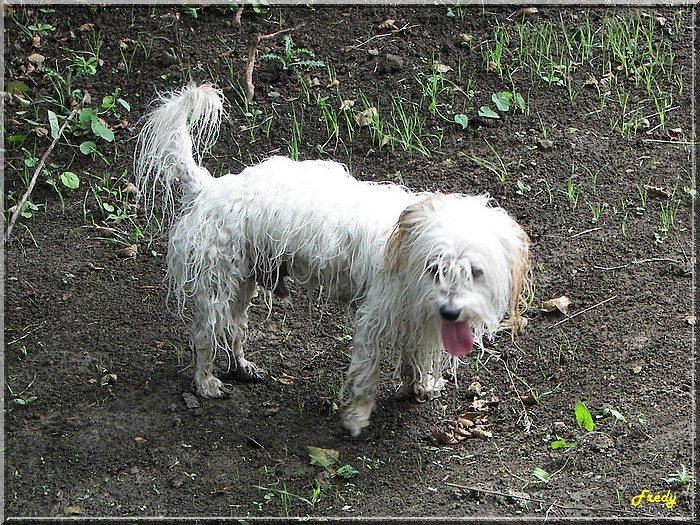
x=79 y=441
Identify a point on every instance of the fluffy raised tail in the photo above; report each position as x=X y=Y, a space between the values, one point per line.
x=171 y=144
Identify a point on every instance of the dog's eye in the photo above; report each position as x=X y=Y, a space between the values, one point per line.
x=432 y=272
x=477 y=272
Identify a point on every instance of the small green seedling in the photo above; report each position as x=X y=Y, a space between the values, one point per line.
x=541 y=474
x=562 y=443
x=583 y=417
x=680 y=478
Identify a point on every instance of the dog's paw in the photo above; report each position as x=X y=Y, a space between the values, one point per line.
x=428 y=389
x=249 y=371
x=356 y=415
x=211 y=386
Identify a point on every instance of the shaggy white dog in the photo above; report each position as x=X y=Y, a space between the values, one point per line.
x=425 y=275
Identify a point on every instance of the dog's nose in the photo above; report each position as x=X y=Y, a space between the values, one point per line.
x=449 y=312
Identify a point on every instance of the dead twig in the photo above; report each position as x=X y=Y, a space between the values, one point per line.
x=20 y=205
x=248 y=84
x=584 y=311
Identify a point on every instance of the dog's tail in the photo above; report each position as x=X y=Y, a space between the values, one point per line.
x=171 y=144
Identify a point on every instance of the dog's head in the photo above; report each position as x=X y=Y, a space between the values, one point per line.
x=462 y=263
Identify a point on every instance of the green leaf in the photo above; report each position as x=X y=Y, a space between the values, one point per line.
x=101 y=130
x=346 y=472
x=88 y=147
x=541 y=474
x=487 y=112
x=560 y=443
x=612 y=412
x=70 y=180
x=502 y=100
x=53 y=123
x=583 y=417
x=124 y=104
x=462 y=120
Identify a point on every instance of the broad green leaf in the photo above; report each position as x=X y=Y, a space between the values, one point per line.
x=101 y=130
x=88 y=147
x=502 y=100
x=462 y=120
x=70 y=180
x=487 y=112
x=583 y=417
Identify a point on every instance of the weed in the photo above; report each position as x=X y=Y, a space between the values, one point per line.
x=500 y=168
x=681 y=478
x=293 y=57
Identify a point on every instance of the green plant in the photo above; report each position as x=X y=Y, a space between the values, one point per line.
x=583 y=416
x=681 y=478
x=293 y=57
x=500 y=168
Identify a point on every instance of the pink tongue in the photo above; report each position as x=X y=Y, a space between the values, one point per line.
x=457 y=337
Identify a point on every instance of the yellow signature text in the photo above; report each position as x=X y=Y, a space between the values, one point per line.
x=668 y=499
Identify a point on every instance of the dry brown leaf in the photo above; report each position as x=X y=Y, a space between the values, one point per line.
x=675 y=133
x=388 y=24
x=36 y=59
x=386 y=139
x=86 y=27
x=441 y=68
x=690 y=319
x=346 y=105
x=366 y=117
x=226 y=489
x=128 y=252
x=36 y=41
x=333 y=83
x=558 y=303
x=526 y=11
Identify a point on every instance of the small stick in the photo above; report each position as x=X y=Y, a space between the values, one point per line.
x=584 y=311
x=249 y=86
x=39 y=167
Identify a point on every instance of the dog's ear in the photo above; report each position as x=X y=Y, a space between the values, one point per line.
x=520 y=282
x=403 y=237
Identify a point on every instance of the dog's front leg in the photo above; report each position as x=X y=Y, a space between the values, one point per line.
x=206 y=384
x=358 y=396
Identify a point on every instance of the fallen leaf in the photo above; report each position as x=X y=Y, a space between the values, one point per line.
x=526 y=11
x=322 y=457
x=690 y=320
x=86 y=27
x=441 y=68
x=36 y=41
x=36 y=59
x=675 y=133
x=128 y=252
x=559 y=303
x=72 y=510
x=388 y=24
x=366 y=117
x=346 y=104
x=226 y=489
x=333 y=83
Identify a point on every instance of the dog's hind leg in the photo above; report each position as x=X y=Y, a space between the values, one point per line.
x=243 y=370
x=226 y=320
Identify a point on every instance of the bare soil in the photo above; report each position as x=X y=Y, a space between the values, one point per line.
x=99 y=417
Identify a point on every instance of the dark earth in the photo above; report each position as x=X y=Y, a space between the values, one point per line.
x=100 y=419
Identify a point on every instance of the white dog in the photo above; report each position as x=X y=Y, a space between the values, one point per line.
x=425 y=275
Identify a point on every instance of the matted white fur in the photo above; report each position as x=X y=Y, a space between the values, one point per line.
x=424 y=275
